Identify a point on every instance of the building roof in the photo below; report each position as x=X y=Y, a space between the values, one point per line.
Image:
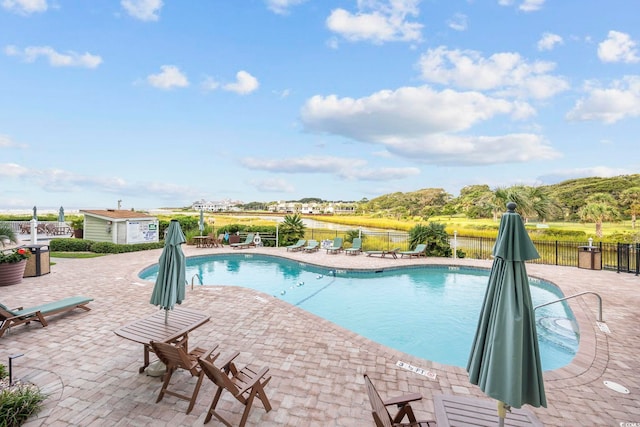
x=116 y=214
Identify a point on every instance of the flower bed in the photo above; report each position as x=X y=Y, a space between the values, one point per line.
x=18 y=401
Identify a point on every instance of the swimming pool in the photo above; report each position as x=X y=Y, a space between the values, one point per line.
x=427 y=311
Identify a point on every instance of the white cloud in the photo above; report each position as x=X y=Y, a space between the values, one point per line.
x=619 y=101
x=281 y=7
x=272 y=185
x=345 y=168
x=422 y=124
x=144 y=10
x=25 y=7
x=405 y=112
x=458 y=22
x=169 y=77
x=56 y=59
x=525 y=6
x=597 y=171
x=210 y=84
x=506 y=71
x=6 y=142
x=377 y=21
x=12 y=170
x=549 y=41
x=531 y=5
x=457 y=150
x=63 y=181
x=618 y=47
x=245 y=84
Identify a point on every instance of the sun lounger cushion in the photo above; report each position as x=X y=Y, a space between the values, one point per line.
x=54 y=307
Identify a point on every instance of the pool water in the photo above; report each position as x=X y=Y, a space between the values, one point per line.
x=428 y=311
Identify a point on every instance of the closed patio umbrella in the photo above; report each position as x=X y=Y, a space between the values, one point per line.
x=61 y=215
x=201 y=223
x=169 y=289
x=505 y=359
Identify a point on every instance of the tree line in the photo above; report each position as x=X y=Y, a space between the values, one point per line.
x=593 y=200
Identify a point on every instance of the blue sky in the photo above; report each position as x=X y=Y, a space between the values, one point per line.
x=160 y=103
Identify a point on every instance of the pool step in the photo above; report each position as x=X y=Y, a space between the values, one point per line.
x=559 y=331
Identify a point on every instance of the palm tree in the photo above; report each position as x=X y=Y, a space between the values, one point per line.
x=291 y=229
x=630 y=198
x=7 y=234
x=599 y=208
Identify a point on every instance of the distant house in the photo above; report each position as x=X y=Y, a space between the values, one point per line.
x=120 y=226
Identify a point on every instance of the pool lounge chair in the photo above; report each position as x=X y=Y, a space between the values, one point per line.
x=355 y=248
x=393 y=252
x=381 y=414
x=336 y=246
x=297 y=246
x=20 y=315
x=312 y=246
x=419 y=251
x=248 y=242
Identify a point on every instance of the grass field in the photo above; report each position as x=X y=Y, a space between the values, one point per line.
x=612 y=231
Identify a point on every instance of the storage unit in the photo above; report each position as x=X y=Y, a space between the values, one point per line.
x=589 y=257
x=39 y=262
x=120 y=226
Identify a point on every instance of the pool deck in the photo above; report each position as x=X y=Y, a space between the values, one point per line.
x=91 y=374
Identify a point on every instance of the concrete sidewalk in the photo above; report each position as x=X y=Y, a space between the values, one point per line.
x=317 y=367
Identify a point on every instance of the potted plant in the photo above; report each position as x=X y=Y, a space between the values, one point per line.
x=13 y=261
x=77 y=224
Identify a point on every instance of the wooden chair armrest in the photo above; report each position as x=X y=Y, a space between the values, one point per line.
x=255 y=380
x=208 y=355
x=226 y=363
x=403 y=400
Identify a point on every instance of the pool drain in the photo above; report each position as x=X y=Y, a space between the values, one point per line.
x=616 y=387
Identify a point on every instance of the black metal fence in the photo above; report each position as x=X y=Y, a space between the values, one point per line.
x=620 y=257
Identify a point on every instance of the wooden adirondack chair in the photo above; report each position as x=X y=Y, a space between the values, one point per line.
x=244 y=384
x=381 y=415
x=178 y=357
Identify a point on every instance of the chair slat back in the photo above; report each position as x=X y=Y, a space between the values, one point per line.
x=380 y=414
x=173 y=356
x=218 y=377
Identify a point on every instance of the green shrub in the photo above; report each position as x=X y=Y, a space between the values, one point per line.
x=113 y=248
x=70 y=245
x=81 y=245
x=434 y=235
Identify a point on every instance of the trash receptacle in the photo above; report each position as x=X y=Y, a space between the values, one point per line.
x=39 y=261
x=589 y=257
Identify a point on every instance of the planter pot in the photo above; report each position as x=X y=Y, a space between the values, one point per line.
x=11 y=273
x=78 y=234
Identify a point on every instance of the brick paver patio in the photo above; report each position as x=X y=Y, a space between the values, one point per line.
x=92 y=376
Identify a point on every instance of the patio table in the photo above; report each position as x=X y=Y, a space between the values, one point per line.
x=201 y=241
x=180 y=322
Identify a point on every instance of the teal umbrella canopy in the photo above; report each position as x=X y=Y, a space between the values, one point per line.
x=505 y=358
x=201 y=222
x=61 y=214
x=169 y=289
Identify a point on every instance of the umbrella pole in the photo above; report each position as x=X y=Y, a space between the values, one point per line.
x=502 y=412
x=166 y=316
